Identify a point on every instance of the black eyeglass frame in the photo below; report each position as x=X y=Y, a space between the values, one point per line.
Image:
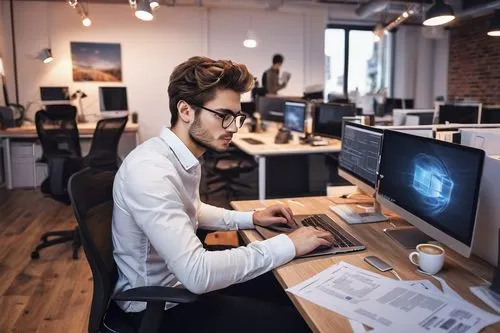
x=225 y=116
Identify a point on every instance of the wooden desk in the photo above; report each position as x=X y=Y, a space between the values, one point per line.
x=459 y=272
x=269 y=148
x=28 y=132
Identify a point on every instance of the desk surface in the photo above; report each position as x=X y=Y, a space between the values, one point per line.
x=270 y=148
x=30 y=130
x=458 y=271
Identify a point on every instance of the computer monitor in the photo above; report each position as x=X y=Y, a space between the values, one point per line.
x=419 y=118
x=54 y=95
x=358 y=160
x=399 y=116
x=327 y=119
x=271 y=108
x=490 y=115
x=113 y=101
x=295 y=116
x=426 y=182
x=458 y=114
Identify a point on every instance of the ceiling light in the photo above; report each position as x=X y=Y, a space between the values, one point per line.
x=86 y=21
x=251 y=40
x=494 y=29
x=440 y=13
x=1 y=67
x=154 y=4
x=143 y=11
x=45 y=55
x=73 y=3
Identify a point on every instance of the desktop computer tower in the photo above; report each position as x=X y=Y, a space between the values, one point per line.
x=485 y=243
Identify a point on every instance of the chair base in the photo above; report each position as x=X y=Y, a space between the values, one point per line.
x=58 y=237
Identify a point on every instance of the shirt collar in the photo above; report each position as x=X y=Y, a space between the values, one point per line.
x=183 y=154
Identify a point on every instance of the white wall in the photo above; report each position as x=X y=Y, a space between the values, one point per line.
x=421 y=66
x=150 y=50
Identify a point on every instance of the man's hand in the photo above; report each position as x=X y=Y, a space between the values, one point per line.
x=307 y=239
x=274 y=214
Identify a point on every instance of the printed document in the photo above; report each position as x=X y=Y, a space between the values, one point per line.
x=388 y=305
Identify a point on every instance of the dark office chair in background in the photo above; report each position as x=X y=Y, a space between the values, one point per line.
x=221 y=172
x=60 y=140
x=104 y=148
x=91 y=196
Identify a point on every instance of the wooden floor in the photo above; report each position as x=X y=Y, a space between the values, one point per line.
x=53 y=293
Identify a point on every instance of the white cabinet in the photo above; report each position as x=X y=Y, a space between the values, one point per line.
x=23 y=164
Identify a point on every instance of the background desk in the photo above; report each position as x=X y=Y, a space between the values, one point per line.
x=459 y=272
x=27 y=134
x=269 y=148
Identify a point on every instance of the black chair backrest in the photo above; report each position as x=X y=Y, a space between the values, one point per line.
x=106 y=139
x=91 y=194
x=58 y=132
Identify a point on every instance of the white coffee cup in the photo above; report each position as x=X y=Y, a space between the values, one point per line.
x=430 y=258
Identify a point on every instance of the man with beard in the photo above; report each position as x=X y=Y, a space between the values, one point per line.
x=157 y=211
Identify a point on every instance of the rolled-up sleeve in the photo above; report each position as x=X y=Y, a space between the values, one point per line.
x=157 y=208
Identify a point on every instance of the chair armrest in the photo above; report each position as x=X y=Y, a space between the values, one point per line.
x=157 y=294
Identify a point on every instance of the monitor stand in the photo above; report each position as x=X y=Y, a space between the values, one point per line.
x=371 y=214
x=408 y=237
x=491 y=294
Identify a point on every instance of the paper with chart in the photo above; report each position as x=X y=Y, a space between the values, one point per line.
x=388 y=305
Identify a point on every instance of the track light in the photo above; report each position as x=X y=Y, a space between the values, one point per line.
x=86 y=21
x=440 y=13
x=494 y=29
x=45 y=55
x=143 y=11
x=250 y=40
x=73 y=3
x=154 y=4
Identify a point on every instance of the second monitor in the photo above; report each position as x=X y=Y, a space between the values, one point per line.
x=327 y=121
x=295 y=116
x=113 y=101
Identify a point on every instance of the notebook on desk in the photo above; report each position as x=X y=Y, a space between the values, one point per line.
x=343 y=241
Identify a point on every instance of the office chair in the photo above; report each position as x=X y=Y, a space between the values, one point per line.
x=104 y=148
x=59 y=137
x=221 y=172
x=91 y=194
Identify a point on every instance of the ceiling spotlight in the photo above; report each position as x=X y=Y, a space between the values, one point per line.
x=143 y=11
x=45 y=55
x=86 y=21
x=251 y=40
x=154 y=4
x=440 y=13
x=132 y=3
x=73 y=3
x=494 y=29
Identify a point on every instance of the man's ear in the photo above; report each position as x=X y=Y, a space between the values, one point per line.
x=186 y=113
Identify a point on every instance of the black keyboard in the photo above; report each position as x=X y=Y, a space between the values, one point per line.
x=342 y=239
x=252 y=141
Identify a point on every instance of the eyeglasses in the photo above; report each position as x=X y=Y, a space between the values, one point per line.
x=227 y=117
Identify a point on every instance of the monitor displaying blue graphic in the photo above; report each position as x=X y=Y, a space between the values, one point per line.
x=295 y=116
x=436 y=181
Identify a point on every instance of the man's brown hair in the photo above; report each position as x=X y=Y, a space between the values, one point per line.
x=196 y=80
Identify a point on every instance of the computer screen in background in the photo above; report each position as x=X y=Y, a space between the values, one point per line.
x=295 y=116
x=490 y=115
x=459 y=114
x=427 y=182
x=271 y=108
x=54 y=95
x=113 y=101
x=327 y=119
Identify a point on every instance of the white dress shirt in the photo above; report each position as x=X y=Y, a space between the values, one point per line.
x=157 y=210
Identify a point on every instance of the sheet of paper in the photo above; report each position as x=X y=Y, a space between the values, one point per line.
x=389 y=305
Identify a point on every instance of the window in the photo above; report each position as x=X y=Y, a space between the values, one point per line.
x=356 y=65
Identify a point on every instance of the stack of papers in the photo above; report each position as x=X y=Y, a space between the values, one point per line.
x=389 y=305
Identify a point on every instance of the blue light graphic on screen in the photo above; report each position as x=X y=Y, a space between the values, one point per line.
x=432 y=180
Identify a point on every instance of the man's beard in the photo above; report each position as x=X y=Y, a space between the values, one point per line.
x=197 y=134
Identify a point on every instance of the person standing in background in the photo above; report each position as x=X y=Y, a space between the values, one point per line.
x=270 y=78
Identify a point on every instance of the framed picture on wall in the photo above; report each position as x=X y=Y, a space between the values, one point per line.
x=96 y=61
